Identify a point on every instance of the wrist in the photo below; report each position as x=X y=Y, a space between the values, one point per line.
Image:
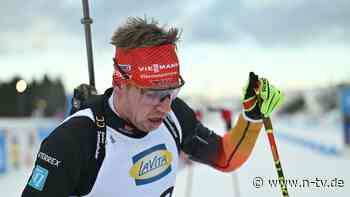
x=251 y=108
x=246 y=117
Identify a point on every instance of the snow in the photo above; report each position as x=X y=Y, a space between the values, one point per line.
x=12 y=183
x=300 y=160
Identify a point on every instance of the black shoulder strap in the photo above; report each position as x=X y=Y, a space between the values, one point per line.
x=169 y=123
x=101 y=132
x=97 y=107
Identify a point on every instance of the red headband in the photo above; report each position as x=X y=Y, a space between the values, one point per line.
x=154 y=67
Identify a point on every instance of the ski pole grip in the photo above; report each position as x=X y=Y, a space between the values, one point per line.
x=254 y=80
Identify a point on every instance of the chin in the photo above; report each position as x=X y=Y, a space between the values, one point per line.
x=150 y=129
x=152 y=126
x=147 y=129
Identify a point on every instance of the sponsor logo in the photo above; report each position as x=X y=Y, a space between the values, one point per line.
x=151 y=165
x=125 y=67
x=38 y=179
x=51 y=160
x=164 y=82
x=100 y=141
x=157 y=67
x=265 y=85
x=148 y=76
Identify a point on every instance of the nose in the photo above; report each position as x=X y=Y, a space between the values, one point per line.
x=164 y=105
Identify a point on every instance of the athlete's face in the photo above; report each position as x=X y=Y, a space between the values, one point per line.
x=145 y=114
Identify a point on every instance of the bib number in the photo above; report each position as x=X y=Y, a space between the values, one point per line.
x=168 y=192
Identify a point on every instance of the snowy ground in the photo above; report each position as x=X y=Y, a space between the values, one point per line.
x=309 y=150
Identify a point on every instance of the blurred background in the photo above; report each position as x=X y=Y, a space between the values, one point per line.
x=301 y=46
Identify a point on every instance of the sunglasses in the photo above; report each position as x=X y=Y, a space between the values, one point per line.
x=154 y=97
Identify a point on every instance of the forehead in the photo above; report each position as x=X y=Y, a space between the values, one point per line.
x=132 y=88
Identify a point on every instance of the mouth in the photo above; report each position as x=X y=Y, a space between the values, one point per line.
x=155 y=121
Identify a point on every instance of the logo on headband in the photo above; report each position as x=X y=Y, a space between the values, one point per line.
x=164 y=83
x=157 y=67
x=125 y=67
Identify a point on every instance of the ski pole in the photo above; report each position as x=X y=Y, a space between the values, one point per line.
x=269 y=131
x=188 y=190
x=189 y=186
x=235 y=183
x=87 y=21
x=84 y=91
x=276 y=158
